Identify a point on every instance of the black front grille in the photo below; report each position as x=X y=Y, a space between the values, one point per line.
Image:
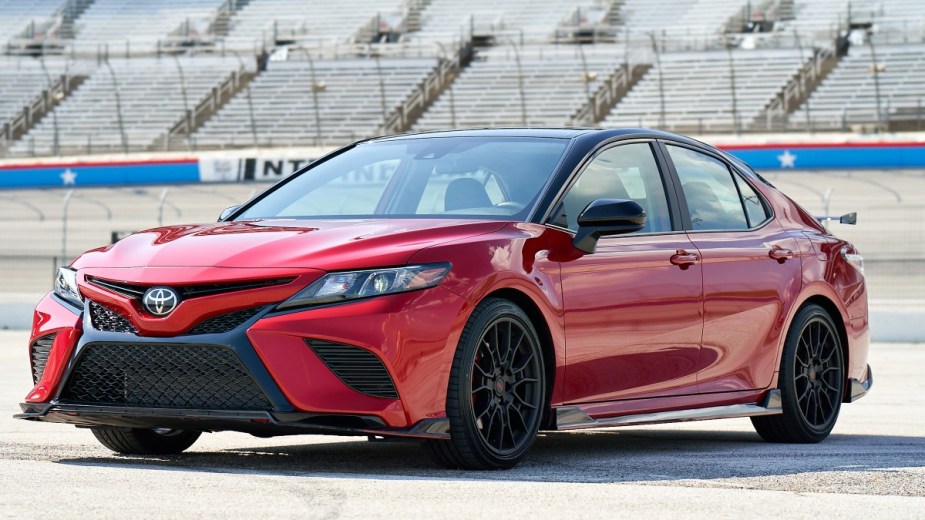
x=225 y=322
x=205 y=377
x=188 y=291
x=39 y=354
x=108 y=320
x=358 y=368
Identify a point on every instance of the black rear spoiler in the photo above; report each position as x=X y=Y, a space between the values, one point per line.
x=847 y=218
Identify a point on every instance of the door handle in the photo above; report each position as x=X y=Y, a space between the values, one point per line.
x=683 y=259
x=780 y=254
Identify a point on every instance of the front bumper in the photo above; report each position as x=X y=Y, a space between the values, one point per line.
x=413 y=334
x=254 y=422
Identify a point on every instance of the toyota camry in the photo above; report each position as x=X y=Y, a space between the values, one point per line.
x=468 y=289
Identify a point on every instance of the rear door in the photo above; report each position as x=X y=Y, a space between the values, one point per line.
x=632 y=308
x=751 y=270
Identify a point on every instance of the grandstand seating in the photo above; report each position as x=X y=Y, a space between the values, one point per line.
x=16 y=15
x=488 y=92
x=819 y=21
x=149 y=91
x=848 y=96
x=679 y=18
x=139 y=26
x=484 y=93
x=529 y=20
x=698 y=94
x=349 y=101
x=22 y=84
x=18 y=86
x=311 y=23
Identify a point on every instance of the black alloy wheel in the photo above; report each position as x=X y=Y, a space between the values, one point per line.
x=497 y=390
x=812 y=381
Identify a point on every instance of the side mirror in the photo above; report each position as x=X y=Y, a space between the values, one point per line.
x=604 y=217
x=227 y=213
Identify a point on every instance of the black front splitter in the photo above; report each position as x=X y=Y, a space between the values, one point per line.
x=257 y=422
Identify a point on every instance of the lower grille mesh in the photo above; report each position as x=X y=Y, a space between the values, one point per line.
x=206 y=377
x=39 y=354
x=358 y=368
x=225 y=322
x=107 y=320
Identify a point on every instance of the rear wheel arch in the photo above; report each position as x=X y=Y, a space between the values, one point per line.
x=835 y=314
x=529 y=306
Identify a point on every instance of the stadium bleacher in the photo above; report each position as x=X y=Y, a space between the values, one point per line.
x=523 y=20
x=412 y=38
x=304 y=23
x=350 y=101
x=680 y=18
x=149 y=94
x=698 y=90
x=554 y=85
x=18 y=87
x=16 y=16
x=141 y=26
x=847 y=97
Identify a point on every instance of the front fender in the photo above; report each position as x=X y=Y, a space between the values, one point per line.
x=514 y=258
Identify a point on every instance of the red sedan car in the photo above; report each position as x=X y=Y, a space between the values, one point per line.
x=467 y=288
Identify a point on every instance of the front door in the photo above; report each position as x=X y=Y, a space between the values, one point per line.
x=633 y=308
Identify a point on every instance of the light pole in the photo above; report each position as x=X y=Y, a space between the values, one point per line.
x=875 y=67
x=452 y=96
x=250 y=102
x=381 y=91
x=520 y=83
x=67 y=202
x=56 y=144
x=732 y=88
x=315 y=89
x=115 y=85
x=585 y=74
x=186 y=110
x=661 y=84
x=803 y=89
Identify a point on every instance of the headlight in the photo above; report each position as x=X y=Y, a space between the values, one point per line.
x=351 y=285
x=853 y=257
x=66 y=286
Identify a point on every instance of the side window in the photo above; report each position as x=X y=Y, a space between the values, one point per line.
x=626 y=172
x=755 y=209
x=712 y=198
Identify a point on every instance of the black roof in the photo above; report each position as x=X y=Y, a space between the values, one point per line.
x=559 y=133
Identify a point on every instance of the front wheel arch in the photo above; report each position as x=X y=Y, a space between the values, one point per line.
x=533 y=312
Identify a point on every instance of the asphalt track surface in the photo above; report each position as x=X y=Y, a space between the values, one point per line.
x=873 y=466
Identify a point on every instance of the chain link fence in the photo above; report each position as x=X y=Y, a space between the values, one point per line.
x=890 y=232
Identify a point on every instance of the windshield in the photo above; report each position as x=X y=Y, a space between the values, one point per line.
x=478 y=177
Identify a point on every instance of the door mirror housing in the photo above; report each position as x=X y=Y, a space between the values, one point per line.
x=606 y=217
x=227 y=212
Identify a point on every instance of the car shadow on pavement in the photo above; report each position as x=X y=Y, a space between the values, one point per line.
x=583 y=457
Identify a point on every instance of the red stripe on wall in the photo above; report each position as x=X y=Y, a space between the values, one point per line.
x=97 y=164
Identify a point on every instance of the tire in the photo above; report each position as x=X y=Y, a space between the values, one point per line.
x=141 y=441
x=497 y=390
x=811 y=381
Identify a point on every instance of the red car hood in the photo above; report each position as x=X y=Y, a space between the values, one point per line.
x=319 y=244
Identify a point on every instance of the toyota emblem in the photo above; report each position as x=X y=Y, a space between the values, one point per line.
x=160 y=301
